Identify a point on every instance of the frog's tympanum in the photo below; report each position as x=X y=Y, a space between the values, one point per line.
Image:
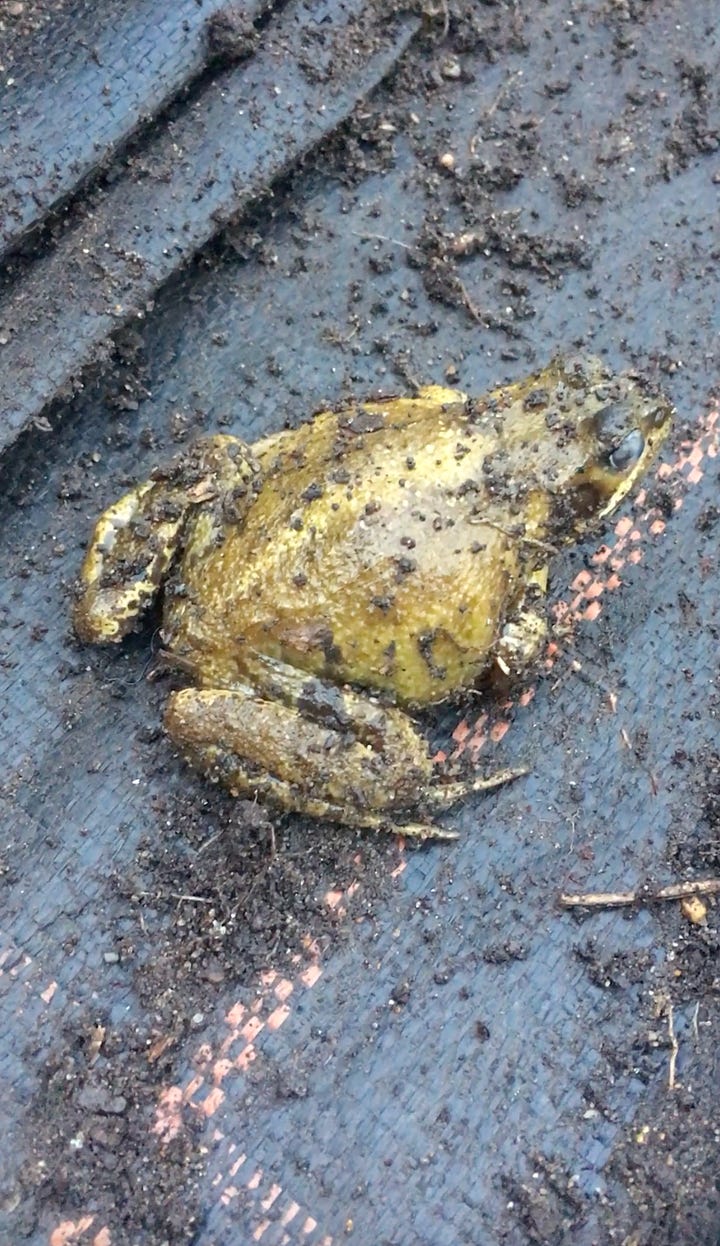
x=380 y=558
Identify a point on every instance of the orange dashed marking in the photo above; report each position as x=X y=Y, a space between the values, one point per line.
x=67 y=1233
x=192 y=1088
x=168 y=1114
x=311 y=975
x=71 y=1231
x=284 y=989
x=246 y=1058
x=267 y=1202
x=235 y=1015
x=581 y=581
x=278 y=1017
x=212 y=1101
x=251 y=1029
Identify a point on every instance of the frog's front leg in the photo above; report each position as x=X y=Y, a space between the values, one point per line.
x=524 y=635
x=137 y=538
x=320 y=750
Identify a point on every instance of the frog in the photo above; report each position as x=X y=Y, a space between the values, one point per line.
x=325 y=584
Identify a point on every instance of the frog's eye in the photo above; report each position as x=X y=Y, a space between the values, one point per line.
x=627 y=453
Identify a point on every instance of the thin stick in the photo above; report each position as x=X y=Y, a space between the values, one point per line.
x=396 y=242
x=616 y=899
x=513 y=536
x=674 y=1046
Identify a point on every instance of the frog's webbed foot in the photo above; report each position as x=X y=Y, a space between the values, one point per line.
x=136 y=539
x=320 y=750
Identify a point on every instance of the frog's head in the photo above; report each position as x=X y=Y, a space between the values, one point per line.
x=614 y=426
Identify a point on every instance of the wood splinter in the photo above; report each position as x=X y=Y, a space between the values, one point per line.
x=616 y=899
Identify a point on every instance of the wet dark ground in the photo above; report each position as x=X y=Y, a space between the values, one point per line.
x=221 y=1026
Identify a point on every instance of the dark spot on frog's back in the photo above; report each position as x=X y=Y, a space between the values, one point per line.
x=310 y=636
x=313 y=492
x=536 y=398
x=323 y=703
x=425 y=642
x=363 y=421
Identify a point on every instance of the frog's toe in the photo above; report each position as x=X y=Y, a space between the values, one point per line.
x=123 y=568
x=521 y=642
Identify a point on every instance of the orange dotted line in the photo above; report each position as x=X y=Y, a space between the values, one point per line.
x=270 y=1195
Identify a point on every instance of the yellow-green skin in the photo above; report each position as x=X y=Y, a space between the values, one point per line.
x=392 y=545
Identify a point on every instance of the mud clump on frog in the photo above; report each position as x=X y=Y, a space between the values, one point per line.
x=391 y=547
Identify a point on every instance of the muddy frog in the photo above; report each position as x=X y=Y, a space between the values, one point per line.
x=325 y=582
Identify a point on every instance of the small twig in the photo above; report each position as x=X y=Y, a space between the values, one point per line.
x=616 y=899
x=191 y=899
x=674 y=1045
x=493 y=106
x=383 y=238
x=211 y=840
x=470 y=306
x=513 y=536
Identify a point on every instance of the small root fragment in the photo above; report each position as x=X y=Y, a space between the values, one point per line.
x=616 y=899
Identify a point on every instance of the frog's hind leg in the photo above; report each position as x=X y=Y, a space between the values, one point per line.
x=137 y=538
x=332 y=754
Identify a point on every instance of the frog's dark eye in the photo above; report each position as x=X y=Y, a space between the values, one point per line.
x=627 y=452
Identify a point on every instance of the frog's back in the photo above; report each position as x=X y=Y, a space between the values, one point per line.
x=361 y=559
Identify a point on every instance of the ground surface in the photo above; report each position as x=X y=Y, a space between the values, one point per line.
x=224 y=1027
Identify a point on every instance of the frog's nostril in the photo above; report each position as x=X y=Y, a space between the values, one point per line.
x=627 y=452
x=659 y=416
x=611 y=422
